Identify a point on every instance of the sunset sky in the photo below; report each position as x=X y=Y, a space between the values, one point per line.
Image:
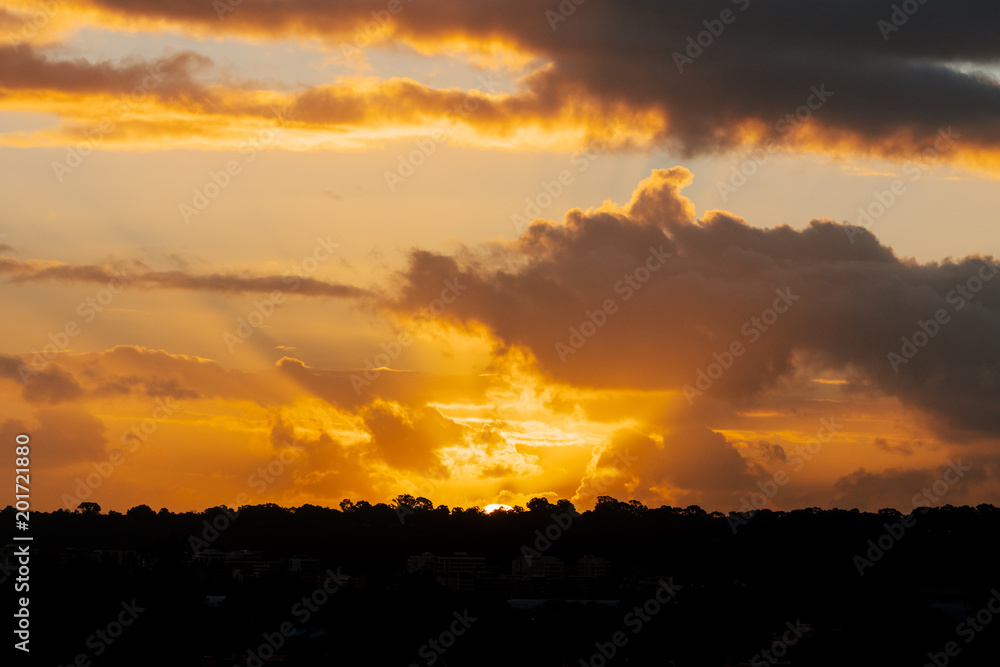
x=684 y=252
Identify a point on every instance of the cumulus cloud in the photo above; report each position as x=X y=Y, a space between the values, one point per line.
x=683 y=466
x=315 y=466
x=407 y=439
x=645 y=296
x=487 y=454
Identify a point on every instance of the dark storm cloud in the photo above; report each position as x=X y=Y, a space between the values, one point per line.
x=708 y=67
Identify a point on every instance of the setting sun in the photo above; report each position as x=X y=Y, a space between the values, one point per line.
x=489 y=509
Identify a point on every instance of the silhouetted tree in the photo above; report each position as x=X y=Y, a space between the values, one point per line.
x=404 y=501
x=539 y=505
x=946 y=549
x=607 y=505
x=563 y=505
x=140 y=512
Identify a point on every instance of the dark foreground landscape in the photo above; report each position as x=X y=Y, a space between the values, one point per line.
x=411 y=584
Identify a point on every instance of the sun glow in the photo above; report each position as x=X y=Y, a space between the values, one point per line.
x=490 y=509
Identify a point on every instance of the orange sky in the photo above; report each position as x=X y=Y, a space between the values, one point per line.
x=296 y=252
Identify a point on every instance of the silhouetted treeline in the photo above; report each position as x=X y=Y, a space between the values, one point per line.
x=820 y=587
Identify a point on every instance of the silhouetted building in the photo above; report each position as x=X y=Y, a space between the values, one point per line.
x=593 y=567
x=119 y=557
x=421 y=563
x=542 y=566
x=459 y=563
x=306 y=565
